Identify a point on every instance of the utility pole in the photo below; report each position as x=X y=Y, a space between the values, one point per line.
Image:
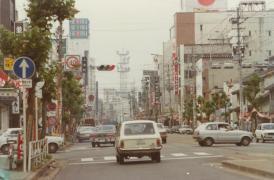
x=238 y=54
x=194 y=88
x=169 y=88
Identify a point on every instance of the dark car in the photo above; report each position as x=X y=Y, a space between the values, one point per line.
x=105 y=134
x=84 y=132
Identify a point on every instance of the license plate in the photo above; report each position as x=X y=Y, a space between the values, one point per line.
x=141 y=142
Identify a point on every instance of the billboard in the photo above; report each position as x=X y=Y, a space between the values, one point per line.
x=194 y=5
x=79 y=28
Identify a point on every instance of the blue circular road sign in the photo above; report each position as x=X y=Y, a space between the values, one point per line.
x=24 y=67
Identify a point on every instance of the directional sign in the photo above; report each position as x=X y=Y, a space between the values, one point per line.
x=8 y=64
x=24 y=67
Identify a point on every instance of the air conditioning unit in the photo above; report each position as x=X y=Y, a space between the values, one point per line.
x=228 y=65
x=216 y=66
x=246 y=65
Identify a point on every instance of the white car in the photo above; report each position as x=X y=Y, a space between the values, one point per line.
x=211 y=133
x=9 y=134
x=54 y=142
x=185 y=130
x=265 y=132
x=138 y=138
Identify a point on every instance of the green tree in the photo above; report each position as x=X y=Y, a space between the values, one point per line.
x=251 y=91
x=208 y=108
x=188 y=113
x=73 y=100
x=221 y=101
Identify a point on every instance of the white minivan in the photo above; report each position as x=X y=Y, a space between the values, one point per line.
x=138 y=138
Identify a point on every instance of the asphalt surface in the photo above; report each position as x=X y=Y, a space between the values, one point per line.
x=182 y=158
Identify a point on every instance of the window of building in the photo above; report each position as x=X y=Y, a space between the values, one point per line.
x=201 y=27
x=269 y=33
x=250 y=53
x=269 y=53
x=249 y=33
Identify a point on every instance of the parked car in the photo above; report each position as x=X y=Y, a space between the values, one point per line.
x=265 y=132
x=11 y=134
x=174 y=129
x=163 y=132
x=104 y=134
x=185 y=129
x=54 y=142
x=138 y=138
x=211 y=133
x=85 y=132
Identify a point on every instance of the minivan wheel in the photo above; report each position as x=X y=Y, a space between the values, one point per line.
x=156 y=157
x=245 y=141
x=208 y=141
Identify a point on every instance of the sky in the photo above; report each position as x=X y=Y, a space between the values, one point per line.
x=139 y=26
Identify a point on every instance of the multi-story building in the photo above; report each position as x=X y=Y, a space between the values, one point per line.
x=7 y=14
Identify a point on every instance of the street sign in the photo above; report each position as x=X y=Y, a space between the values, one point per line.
x=72 y=62
x=16 y=106
x=51 y=113
x=8 y=64
x=26 y=83
x=24 y=67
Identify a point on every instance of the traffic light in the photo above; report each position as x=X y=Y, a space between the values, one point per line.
x=84 y=64
x=105 y=67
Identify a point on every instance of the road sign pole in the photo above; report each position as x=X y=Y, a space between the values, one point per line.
x=36 y=118
x=24 y=131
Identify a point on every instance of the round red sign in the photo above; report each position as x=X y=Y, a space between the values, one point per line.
x=206 y=2
x=73 y=62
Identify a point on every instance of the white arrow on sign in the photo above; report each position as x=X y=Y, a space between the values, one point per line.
x=24 y=65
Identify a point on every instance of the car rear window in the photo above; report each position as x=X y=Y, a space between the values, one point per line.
x=106 y=128
x=139 y=129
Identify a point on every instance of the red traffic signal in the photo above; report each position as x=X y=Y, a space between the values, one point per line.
x=105 y=67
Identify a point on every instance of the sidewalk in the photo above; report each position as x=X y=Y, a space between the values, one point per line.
x=254 y=164
x=10 y=175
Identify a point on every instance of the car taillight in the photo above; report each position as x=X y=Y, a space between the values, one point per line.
x=158 y=142
x=122 y=144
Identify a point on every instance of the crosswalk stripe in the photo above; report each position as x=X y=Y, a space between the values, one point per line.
x=87 y=159
x=3 y=156
x=201 y=153
x=178 y=154
x=110 y=158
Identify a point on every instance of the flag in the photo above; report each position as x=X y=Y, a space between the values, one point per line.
x=191 y=5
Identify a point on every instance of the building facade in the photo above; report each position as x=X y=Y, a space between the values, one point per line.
x=7 y=14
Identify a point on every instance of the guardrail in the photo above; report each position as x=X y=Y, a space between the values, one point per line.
x=38 y=151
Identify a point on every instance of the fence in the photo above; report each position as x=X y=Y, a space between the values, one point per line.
x=38 y=151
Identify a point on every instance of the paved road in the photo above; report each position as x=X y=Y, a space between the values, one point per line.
x=182 y=158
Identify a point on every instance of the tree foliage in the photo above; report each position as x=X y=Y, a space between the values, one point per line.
x=73 y=100
x=251 y=90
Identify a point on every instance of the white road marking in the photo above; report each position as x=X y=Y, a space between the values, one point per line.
x=110 y=158
x=87 y=159
x=201 y=153
x=166 y=159
x=178 y=154
x=3 y=156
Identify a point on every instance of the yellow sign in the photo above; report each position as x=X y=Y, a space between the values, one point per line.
x=8 y=64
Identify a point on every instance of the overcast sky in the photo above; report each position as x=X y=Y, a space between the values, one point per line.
x=139 y=26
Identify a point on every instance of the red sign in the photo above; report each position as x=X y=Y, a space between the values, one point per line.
x=51 y=106
x=51 y=120
x=176 y=74
x=72 y=62
x=206 y=2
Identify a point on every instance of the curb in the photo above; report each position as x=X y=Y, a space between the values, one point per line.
x=38 y=173
x=252 y=170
